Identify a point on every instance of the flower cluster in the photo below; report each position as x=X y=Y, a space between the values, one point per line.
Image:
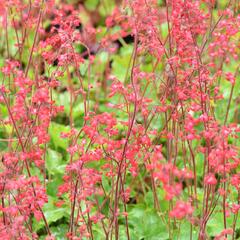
x=104 y=109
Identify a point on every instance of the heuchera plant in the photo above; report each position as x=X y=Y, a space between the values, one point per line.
x=119 y=119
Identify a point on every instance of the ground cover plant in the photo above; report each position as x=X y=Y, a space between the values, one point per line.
x=119 y=119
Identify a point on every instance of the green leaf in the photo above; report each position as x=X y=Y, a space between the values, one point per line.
x=53 y=184
x=59 y=232
x=52 y=214
x=106 y=7
x=147 y=223
x=91 y=4
x=55 y=130
x=121 y=62
x=54 y=163
x=62 y=99
x=215 y=225
x=164 y=28
x=185 y=231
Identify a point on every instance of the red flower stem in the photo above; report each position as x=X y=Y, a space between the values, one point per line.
x=230 y=97
x=25 y=161
x=34 y=41
x=118 y=188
